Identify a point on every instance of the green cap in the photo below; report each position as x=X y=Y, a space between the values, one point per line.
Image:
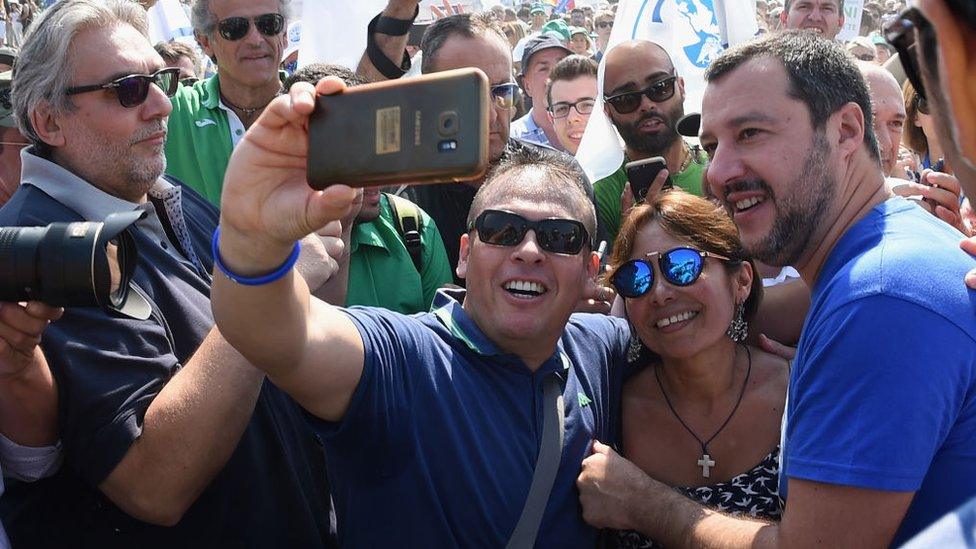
x=557 y=28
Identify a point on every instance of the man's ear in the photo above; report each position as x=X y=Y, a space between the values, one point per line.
x=782 y=17
x=848 y=123
x=462 y=266
x=47 y=124
x=593 y=265
x=205 y=44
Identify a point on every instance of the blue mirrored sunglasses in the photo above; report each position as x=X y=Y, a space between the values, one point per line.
x=679 y=266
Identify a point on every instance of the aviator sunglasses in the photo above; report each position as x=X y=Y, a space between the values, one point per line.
x=679 y=266
x=504 y=95
x=132 y=90
x=235 y=28
x=559 y=236
x=628 y=102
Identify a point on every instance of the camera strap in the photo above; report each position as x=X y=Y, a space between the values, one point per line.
x=546 y=465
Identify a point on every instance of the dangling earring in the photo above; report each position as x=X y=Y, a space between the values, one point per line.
x=739 y=328
x=636 y=346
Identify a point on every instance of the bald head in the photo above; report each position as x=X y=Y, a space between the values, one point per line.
x=629 y=64
x=888 y=107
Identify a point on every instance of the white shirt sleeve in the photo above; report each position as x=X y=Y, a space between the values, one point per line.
x=28 y=463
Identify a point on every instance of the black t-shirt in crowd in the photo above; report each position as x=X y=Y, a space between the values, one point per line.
x=273 y=491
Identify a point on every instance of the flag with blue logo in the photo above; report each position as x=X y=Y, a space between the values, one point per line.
x=693 y=32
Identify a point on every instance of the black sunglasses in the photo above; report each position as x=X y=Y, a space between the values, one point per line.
x=504 y=95
x=604 y=24
x=132 y=90
x=900 y=33
x=628 y=102
x=235 y=28
x=559 y=236
x=679 y=266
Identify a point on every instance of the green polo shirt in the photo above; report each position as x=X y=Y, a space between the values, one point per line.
x=199 y=143
x=381 y=272
x=609 y=189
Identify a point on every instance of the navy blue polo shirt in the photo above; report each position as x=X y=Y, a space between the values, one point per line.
x=440 y=441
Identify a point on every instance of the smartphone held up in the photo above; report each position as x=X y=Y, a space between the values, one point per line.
x=427 y=129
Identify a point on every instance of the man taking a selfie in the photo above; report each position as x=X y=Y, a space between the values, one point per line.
x=438 y=428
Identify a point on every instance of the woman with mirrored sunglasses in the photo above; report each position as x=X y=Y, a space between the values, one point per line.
x=701 y=411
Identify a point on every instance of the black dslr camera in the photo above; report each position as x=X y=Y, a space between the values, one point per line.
x=81 y=264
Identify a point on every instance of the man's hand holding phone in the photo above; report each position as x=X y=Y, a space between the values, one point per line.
x=267 y=204
x=627 y=196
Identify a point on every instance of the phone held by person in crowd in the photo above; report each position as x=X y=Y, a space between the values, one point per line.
x=641 y=174
x=428 y=129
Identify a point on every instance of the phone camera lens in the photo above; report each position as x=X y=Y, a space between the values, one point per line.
x=447 y=123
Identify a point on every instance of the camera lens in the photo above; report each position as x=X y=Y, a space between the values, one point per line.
x=447 y=123
x=69 y=264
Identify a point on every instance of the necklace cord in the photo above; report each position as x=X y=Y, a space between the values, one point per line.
x=704 y=444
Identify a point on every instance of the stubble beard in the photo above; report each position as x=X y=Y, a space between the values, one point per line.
x=653 y=144
x=802 y=213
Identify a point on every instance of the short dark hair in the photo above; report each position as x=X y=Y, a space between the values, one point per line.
x=570 y=67
x=564 y=184
x=467 y=25
x=172 y=51
x=840 y=6
x=314 y=72
x=820 y=73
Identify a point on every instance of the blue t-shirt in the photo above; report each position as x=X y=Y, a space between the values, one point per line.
x=883 y=390
x=440 y=441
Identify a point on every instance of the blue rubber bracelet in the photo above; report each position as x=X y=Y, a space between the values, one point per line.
x=257 y=281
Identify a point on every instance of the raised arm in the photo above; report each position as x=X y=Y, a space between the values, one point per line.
x=392 y=47
x=310 y=349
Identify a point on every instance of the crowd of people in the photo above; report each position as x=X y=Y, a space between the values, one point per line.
x=775 y=346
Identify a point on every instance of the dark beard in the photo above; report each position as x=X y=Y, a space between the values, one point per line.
x=653 y=144
x=798 y=217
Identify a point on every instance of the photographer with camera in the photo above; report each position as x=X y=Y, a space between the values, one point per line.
x=170 y=437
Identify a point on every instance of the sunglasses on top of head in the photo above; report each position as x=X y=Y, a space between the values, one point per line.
x=559 y=236
x=628 y=102
x=680 y=266
x=235 y=28
x=900 y=33
x=132 y=90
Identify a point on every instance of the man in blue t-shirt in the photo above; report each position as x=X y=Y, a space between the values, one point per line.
x=880 y=430
x=432 y=423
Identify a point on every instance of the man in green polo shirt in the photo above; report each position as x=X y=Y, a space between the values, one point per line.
x=245 y=38
x=644 y=98
x=382 y=272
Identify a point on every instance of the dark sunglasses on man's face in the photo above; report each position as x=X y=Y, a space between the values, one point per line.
x=628 y=102
x=559 y=236
x=900 y=33
x=679 y=266
x=235 y=28
x=604 y=24
x=132 y=90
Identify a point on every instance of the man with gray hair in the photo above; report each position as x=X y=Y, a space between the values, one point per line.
x=245 y=39
x=170 y=438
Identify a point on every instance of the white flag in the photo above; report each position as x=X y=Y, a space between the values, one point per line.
x=693 y=32
x=334 y=31
x=169 y=21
